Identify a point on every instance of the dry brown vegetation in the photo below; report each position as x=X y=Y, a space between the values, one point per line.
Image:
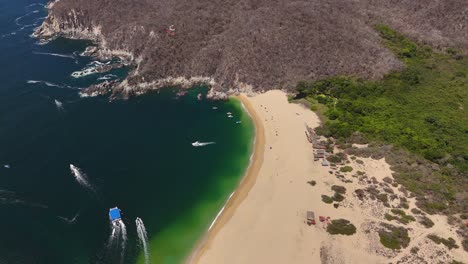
x=267 y=44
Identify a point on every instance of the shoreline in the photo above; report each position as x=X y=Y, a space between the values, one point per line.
x=265 y=222
x=241 y=192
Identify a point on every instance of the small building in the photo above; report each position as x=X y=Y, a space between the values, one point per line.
x=325 y=162
x=319 y=153
x=114 y=214
x=310 y=218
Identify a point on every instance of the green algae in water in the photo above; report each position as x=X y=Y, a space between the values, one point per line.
x=173 y=244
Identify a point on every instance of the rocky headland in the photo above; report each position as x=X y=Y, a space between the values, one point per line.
x=249 y=45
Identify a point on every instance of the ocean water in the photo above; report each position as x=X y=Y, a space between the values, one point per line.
x=135 y=154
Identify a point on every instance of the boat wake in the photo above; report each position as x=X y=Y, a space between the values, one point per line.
x=18 y=19
x=201 y=144
x=107 y=77
x=50 y=84
x=59 y=105
x=121 y=229
x=81 y=178
x=68 y=220
x=10 y=198
x=67 y=56
x=143 y=236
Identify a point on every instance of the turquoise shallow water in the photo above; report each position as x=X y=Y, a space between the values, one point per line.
x=136 y=155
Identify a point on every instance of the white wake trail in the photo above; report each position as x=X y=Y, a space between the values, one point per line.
x=201 y=144
x=81 y=177
x=72 y=220
x=55 y=55
x=123 y=232
x=106 y=77
x=50 y=84
x=59 y=105
x=143 y=236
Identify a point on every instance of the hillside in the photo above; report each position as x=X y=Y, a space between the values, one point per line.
x=249 y=44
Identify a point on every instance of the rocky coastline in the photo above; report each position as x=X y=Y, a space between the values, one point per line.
x=242 y=46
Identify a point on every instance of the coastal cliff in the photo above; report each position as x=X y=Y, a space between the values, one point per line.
x=246 y=45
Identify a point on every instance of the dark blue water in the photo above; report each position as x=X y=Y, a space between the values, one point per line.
x=136 y=153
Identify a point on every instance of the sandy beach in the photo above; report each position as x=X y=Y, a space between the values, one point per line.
x=265 y=220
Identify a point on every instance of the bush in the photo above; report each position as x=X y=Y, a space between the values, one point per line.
x=312 y=183
x=398 y=212
x=341 y=227
x=404 y=205
x=327 y=199
x=405 y=109
x=389 y=217
x=394 y=237
x=449 y=243
x=346 y=169
x=426 y=221
x=414 y=250
x=339 y=189
x=338 y=197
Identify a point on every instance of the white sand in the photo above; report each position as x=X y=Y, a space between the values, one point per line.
x=266 y=222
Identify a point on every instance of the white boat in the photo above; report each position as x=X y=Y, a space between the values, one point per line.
x=229 y=113
x=196 y=144
x=201 y=144
x=238 y=122
x=6 y=166
x=214 y=107
x=230 y=116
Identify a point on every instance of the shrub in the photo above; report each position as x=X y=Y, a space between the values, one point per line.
x=346 y=169
x=339 y=189
x=341 y=227
x=426 y=221
x=312 y=183
x=327 y=199
x=383 y=197
x=449 y=243
x=416 y=211
x=404 y=205
x=388 y=180
x=394 y=237
x=338 y=197
x=389 y=217
x=414 y=250
x=398 y=212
